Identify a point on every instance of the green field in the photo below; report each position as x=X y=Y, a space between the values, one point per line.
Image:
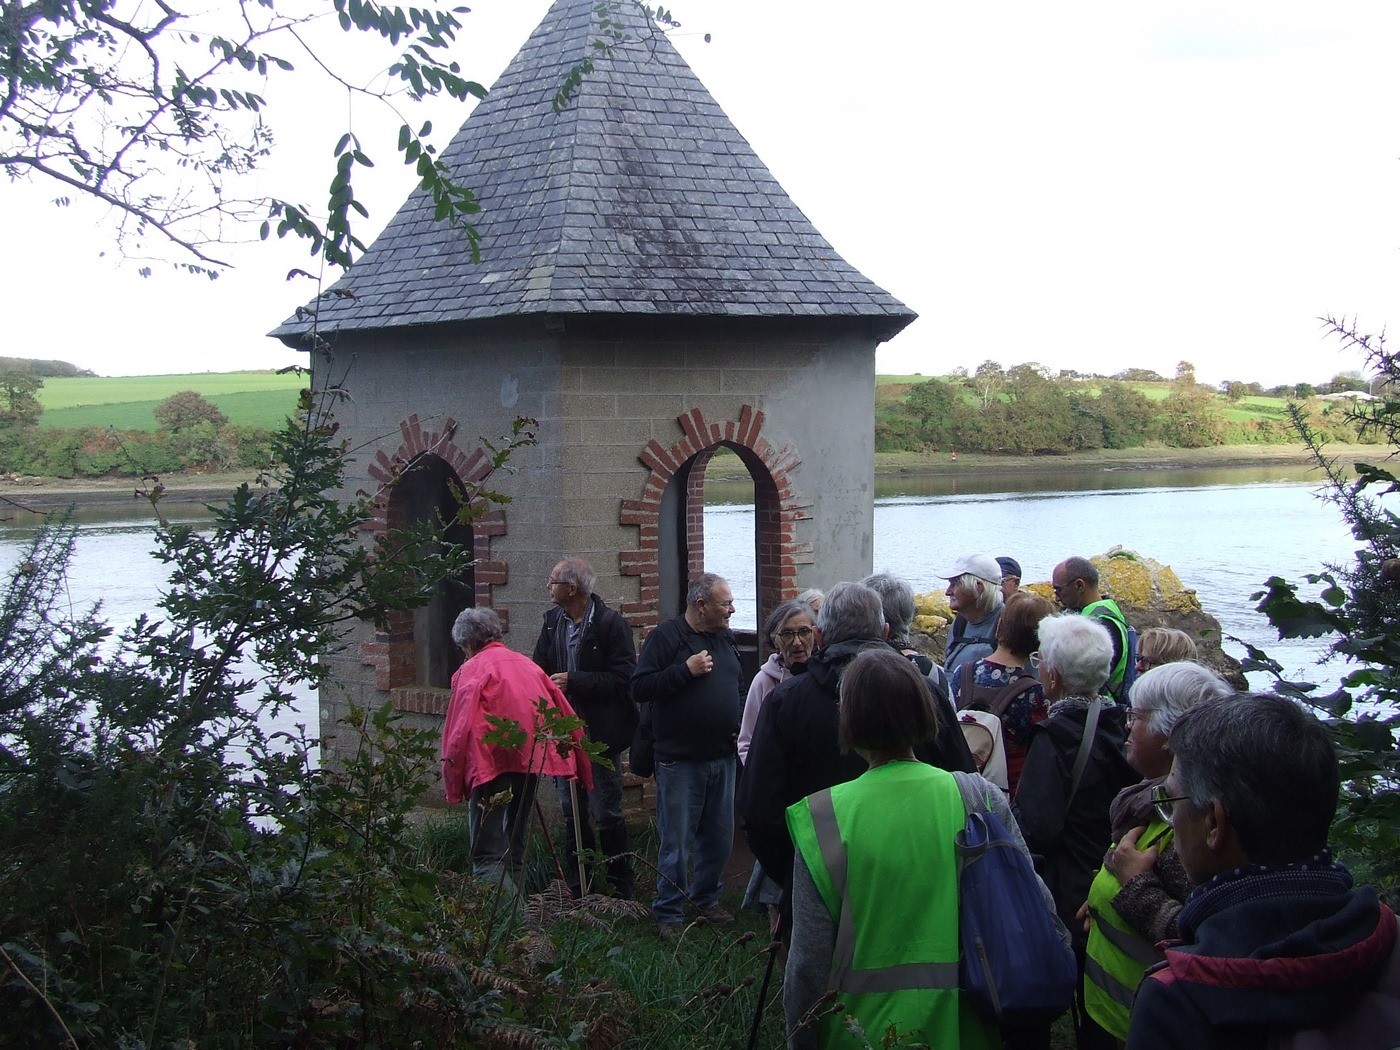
x=264 y=399
x=260 y=399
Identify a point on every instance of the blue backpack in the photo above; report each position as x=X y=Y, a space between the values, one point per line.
x=1014 y=968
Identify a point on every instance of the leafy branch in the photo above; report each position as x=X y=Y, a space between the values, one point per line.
x=156 y=111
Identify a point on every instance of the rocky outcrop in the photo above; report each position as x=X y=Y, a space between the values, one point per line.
x=1149 y=593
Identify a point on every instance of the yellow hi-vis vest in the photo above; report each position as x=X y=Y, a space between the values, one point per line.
x=1117 y=955
x=880 y=851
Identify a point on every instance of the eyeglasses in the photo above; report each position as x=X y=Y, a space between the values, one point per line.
x=1144 y=664
x=559 y=583
x=1134 y=713
x=1165 y=804
x=799 y=632
x=1034 y=660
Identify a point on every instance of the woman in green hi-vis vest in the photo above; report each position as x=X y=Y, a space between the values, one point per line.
x=875 y=879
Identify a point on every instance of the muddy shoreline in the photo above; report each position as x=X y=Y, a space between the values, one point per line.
x=44 y=494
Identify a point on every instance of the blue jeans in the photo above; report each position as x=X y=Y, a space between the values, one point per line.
x=695 y=823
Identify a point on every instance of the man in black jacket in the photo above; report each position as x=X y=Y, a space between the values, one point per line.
x=795 y=750
x=587 y=649
x=689 y=672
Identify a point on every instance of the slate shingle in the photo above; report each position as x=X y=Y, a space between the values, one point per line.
x=640 y=197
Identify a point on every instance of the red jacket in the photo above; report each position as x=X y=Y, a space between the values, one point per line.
x=498 y=681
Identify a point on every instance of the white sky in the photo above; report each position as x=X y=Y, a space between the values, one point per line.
x=1087 y=185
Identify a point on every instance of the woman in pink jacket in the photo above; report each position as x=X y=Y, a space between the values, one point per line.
x=498 y=780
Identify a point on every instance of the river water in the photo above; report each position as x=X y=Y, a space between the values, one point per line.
x=1224 y=531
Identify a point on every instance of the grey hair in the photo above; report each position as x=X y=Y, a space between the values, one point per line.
x=782 y=614
x=702 y=587
x=580 y=574
x=1168 y=691
x=986 y=597
x=1077 y=568
x=897 y=598
x=1079 y=648
x=1270 y=763
x=851 y=610
x=474 y=628
x=812 y=598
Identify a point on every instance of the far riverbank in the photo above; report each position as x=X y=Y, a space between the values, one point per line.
x=44 y=494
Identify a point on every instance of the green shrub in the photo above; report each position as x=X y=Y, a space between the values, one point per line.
x=1358 y=605
x=175 y=875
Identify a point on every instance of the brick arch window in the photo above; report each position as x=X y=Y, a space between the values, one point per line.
x=413 y=657
x=670 y=515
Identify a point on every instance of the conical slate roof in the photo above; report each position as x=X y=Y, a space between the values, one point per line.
x=640 y=197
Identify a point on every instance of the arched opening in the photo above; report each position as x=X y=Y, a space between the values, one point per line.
x=741 y=545
x=429 y=490
x=670 y=517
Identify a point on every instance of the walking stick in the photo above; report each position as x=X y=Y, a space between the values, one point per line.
x=773 y=947
x=578 y=838
x=549 y=842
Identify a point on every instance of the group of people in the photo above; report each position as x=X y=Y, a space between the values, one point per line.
x=1178 y=828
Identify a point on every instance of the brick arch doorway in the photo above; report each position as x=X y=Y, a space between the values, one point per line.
x=671 y=517
x=427 y=477
x=428 y=491
x=681 y=551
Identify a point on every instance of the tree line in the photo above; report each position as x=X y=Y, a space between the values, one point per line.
x=1028 y=410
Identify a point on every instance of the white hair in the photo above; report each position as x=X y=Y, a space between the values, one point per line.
x=1079 y=648
x=986 y=596
x=1166 y=692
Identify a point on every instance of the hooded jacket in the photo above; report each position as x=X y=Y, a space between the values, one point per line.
x=772 y=673
x=501 y=682
x=1275 y=958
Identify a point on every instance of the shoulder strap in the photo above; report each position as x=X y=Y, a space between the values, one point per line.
x=959 y=627
x=1010 y=691
x=1086 y=744
x=965 y=684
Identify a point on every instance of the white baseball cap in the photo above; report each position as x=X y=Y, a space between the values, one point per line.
x=983 y=566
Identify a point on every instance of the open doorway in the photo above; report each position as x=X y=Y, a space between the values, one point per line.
x=428 y=490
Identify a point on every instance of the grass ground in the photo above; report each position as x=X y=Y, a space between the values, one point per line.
x=698 y=991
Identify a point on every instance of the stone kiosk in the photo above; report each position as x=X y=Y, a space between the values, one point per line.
x=648 y=293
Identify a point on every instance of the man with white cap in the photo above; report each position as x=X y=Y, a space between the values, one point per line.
x=974 y=595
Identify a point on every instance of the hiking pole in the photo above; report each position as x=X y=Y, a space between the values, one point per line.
x=549 y=842
x=774 y=945
x=578 y=838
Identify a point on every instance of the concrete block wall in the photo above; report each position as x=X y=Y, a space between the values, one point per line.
x=614 y=414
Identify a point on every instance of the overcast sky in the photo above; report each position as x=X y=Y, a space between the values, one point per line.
x=1086 y=185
